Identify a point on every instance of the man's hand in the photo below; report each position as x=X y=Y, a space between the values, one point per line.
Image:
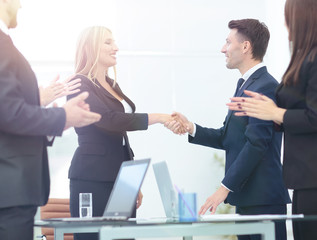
x=58 y=89
x=180 y=124
x=78 y=113
x=214 y=200
x=139 y=200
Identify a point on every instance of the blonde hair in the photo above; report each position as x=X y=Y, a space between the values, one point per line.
x=88 y=52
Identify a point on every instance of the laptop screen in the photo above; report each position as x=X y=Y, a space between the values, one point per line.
x=123 y=197
x=165 y=186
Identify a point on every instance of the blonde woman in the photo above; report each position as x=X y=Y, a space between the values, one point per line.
x=105 y=145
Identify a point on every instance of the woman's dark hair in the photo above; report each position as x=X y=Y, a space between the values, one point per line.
x=301 y=21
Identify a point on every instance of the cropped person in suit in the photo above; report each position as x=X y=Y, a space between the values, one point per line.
x=105 y=145
x=24 y=125
x=253 y=174
x=295 y=113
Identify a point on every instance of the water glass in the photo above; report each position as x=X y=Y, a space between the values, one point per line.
x=85 y=205
x=187 y=207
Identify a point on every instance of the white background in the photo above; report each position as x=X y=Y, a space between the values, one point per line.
x=169 y=60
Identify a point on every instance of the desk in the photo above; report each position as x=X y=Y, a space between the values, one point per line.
x=230 y=225
x=186 y=231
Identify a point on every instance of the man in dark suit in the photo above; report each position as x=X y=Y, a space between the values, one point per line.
x=253 y=175
x=24 y=125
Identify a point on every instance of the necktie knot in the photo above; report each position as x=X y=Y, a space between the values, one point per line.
x=239 y=84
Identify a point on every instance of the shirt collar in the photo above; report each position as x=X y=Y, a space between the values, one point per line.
x=3 y=27
x=252 y=70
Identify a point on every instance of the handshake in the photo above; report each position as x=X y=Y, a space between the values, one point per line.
x=179 y=124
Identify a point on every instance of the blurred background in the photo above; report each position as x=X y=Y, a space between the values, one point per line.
x=169 y=60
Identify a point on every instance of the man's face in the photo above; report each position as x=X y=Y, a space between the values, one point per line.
x=233 y=50
x=12 y=11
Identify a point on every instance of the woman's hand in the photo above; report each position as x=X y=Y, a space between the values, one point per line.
x=180 y=124
x=257 y=106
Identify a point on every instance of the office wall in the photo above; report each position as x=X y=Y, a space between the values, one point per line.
x=169 y=60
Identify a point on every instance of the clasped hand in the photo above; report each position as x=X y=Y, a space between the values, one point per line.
x=179 y=124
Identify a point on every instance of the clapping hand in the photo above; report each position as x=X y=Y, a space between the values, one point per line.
x=257 y=106
x=58 y=89
x=78 y=113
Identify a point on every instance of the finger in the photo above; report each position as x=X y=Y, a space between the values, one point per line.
x=139 y=203
x=58 y=89
x=256 y=95
x=213 y=209
x=70 y=78
x=249 y=114
x=251 y=93
x=202 y=211
x=236 y=107
x=72 y=82
x=187 y=126
x=167 y=124
x=237 y=99
x=72 y=92
x=57 y=85
x=81 y=97
x=175 y=126
x=55 y=79
x=86 y=107
x=204 y=208
x=170 y=125
x=175 y=114
x=177 y=129
x=55 y=105
x=73 y=86
x=181 y=131
x=89 y=118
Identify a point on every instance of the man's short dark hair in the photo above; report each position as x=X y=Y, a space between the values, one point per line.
x=255 y=32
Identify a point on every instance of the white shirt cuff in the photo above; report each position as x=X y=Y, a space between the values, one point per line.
x=194 y=131
x=226 y=187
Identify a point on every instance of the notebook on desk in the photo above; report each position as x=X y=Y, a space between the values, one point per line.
x=166 y=189
x=122 y=200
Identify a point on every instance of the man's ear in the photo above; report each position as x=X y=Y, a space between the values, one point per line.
x=246 y=46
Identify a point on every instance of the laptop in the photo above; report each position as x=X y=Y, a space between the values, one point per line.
x=122 y=200
x=166 y=189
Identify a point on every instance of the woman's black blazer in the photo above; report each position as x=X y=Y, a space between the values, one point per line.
x=300 y=128
x=100 y=150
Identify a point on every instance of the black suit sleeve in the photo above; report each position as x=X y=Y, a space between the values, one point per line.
x=17 y=115
x=112 y=118
x=304 y=120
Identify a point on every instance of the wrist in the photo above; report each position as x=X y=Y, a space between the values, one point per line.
x=224 y=189
x=190 y=128
x=279 y=115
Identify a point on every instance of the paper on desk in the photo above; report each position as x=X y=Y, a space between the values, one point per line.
x=237 y=217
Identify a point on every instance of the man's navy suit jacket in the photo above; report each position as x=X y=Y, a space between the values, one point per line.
x=253 y=168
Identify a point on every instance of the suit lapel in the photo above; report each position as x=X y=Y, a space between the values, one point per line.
x=240 y=93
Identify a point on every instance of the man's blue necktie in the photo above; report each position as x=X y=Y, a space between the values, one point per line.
x=239 y=84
